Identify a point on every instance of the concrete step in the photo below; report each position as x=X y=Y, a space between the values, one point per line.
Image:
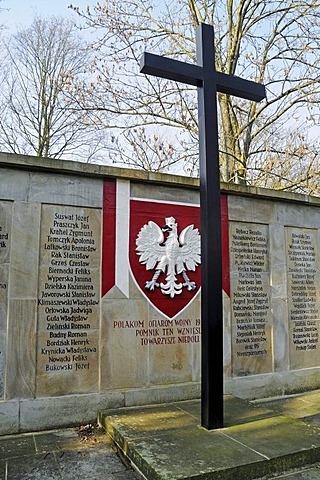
x=311 y=472
x=165 y=442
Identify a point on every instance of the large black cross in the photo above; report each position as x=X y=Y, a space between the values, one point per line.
x=209 y=82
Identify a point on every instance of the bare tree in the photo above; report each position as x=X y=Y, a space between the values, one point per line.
x=37 y=117
x=271 y=41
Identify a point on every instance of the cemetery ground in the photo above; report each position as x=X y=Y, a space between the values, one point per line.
x=272 y=438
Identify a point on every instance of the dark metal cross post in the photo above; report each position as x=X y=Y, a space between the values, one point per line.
x=209 y=82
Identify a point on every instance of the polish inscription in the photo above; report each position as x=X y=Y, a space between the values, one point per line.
x=162 y=331
x=250 y=299
x=4 y=237
x=68 y=303
x=303 y=297
x=5 y=230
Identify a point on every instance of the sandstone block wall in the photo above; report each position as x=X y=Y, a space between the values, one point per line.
x=80 y=332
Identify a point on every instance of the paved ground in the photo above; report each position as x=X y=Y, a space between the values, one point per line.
x=61 y=455
x=287 y=429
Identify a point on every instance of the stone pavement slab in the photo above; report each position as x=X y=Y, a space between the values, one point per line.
x=61 y=455
x=303 y=406
x=166 y=442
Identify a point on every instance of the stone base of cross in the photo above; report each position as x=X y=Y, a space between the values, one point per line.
x=209 y=82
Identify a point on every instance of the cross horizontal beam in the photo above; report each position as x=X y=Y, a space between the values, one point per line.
x=239 y=87
x=193 y=75
x=171 y=69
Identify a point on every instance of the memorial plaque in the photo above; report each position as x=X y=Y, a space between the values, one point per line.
x=303 y=297
x=164 y=349
x=68 y=302
x=250 y=299
x=5 y=230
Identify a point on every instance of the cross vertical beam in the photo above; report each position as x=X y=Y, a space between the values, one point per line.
x=211 y=258
x=209 y=82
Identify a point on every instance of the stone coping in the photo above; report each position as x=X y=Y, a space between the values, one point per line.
x=31 y=163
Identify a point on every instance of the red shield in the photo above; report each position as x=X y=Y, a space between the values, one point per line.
x=142 y=212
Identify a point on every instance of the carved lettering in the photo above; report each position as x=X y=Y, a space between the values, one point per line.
x=68 y=294
x=303 y=302
x=250 y=299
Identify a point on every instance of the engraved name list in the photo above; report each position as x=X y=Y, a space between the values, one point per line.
x=250 y=299
x=68 y=303
x=303 y=300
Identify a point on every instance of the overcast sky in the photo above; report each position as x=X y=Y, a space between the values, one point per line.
x=21 y=12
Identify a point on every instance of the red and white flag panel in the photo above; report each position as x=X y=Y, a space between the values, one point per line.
x=163 y=243
x=108 y=236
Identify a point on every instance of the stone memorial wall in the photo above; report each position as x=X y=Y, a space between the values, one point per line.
x=100 y=286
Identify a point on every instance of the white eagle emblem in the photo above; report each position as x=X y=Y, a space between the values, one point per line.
x=173 y=255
